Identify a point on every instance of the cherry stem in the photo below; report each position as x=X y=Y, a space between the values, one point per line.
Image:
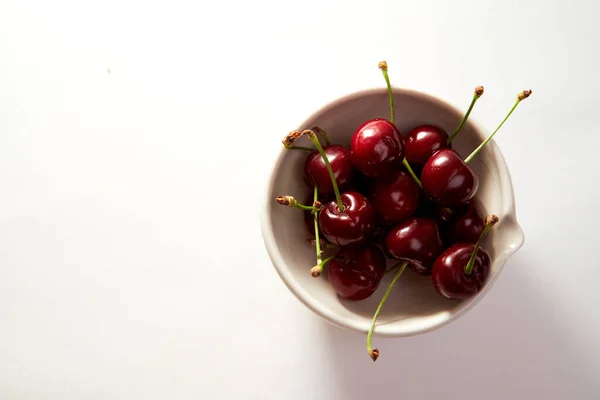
x=522 y=96
x=374 y=353
x=322 y=243
x=489 y=222
x=323 y=134
x=316 y=222
x=317 y=269
x=478 y=93
x=384 y=70
x=294 y=147
x=313 y=137
x=411 y=172
x=290 y=201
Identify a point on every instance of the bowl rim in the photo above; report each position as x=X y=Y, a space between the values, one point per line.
x=353 y=325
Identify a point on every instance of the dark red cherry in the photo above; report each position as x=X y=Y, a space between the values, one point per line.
x=396 y=198
x=422 y=142
x=316 y=173
x=467 y=223
x=355 y=272
x=352 y=226
x=448 y=180
x=448 y=273
x=377 y=148
x=416 y=240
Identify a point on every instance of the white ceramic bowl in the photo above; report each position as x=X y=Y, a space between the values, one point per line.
x=414 y=306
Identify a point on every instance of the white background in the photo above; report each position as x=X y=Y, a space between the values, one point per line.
x=131 y=260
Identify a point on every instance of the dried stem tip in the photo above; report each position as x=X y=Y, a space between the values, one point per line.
x=289 y=201
x=290 y=138
x=524 y=94
x=479 y=91
x=383 y=65
x=491 y=220
x=315 y=271
x=374 y=353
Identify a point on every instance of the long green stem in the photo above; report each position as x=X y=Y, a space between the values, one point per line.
x=384 y=70
x=294 y=147
x=411 y=172
x=323 y=134
x=324 y=244
x=522 y=96
x=489 y=222
x=476 y=96
x=290 y=201
x=374 y=353
x=316 y=222
x=317 y=269
x=313 y=137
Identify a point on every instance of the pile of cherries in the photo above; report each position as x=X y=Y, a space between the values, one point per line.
x=369 y=204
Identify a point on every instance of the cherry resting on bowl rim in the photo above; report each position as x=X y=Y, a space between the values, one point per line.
x=461 y=270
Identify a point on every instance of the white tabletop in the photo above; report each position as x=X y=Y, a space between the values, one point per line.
x=135 y=137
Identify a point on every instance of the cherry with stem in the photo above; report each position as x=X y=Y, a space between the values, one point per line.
x=384 y=70
x=448 y=179
x=489 y=223
x=476 y=95
x=313 y=138
x=374 y=353
x=461 y=270
x=347 y=221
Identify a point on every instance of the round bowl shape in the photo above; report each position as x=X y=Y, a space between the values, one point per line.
x=414 y=306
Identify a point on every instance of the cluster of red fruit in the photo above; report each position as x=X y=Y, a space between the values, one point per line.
x=369 y=197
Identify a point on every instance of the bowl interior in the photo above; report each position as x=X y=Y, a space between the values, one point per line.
x=414 y=306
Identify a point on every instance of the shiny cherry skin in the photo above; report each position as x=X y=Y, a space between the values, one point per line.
x=377 y=148
x=422 y=142
x=355 y=225
x=356 y=271
x=448 y=273
x=395 y=199
x=448 y=180
x=416 y=240
x=315 y=170
x=467 y=224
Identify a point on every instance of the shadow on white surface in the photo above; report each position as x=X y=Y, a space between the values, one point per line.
x=512 y=345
